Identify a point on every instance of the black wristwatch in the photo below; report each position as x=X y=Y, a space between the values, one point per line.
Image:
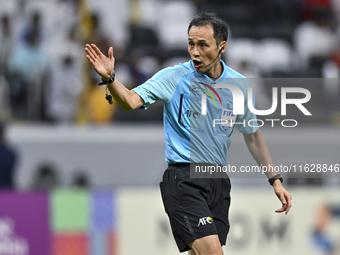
x=110 y=80
x=107 y=82
x=274 y=178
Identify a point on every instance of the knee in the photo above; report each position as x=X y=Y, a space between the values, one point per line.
x=208 y=249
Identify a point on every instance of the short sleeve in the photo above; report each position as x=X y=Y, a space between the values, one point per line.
x=159 y=87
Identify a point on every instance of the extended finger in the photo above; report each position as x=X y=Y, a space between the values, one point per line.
x=284 y=203
x=89 y=58
x=110 y=53
x=285 y=208
x=282 y=209
x=92 y=50
x=90 y=54
x=283 y=199
x=289 y=203
x=96 y=49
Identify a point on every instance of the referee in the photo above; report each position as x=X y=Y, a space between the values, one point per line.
x=197 y=207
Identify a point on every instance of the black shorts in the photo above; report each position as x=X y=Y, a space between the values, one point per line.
x=196 y=207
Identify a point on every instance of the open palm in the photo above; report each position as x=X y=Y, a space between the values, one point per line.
x=103 y=65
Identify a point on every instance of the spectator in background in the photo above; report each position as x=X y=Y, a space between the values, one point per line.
x=62 y=36
x=5 y=109
x=140 y=67
x=34 y=25
x=61 y=22
x=92 y=108
x=46 y=177
x=67 y=81
x=66 y=85
x=29 y=67
x=98 y=111
x=315 y=40
x=324 y=240
x=81 y=180
x=8 y=158
x=6 y=42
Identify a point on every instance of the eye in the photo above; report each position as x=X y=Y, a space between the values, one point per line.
x=191 y=44
x=203 y=45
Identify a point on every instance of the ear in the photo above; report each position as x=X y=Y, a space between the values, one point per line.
x=223 y=46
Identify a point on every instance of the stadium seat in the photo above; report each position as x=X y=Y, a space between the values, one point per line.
x=312 y=40
x=273 y=55
x=173 y=20
x=240 y=49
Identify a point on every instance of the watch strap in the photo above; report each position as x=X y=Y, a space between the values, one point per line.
x=108 y=81
x=274 y=178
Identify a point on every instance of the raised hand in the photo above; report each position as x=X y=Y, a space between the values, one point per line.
x=103 y=65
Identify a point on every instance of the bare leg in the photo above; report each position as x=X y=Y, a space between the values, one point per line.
x=208 y=245
x=191 y=252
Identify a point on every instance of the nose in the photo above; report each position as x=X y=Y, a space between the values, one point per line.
x=195 y=52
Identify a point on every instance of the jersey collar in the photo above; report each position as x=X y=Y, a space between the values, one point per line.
x=202 y=75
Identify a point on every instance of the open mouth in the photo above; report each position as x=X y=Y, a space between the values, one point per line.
x=196 y=63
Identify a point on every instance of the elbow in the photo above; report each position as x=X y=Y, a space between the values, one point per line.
x=127 y=108
x=132 y=102
x=250 y=138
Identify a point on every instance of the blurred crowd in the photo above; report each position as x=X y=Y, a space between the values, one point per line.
x=46 y=173
x=45 y=77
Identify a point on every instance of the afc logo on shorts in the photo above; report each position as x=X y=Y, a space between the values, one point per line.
x=203 y=221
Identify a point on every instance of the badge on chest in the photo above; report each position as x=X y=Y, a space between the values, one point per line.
x=228 y=119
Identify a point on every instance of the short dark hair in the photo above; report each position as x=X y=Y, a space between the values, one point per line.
x=208 y=18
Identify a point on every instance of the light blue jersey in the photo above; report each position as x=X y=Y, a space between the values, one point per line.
x=191 y=135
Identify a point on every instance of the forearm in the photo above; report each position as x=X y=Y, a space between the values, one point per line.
x=127 y=99
x=104 y=66
x=258 y=149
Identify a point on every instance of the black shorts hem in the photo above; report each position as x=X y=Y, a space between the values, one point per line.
x=189 y=240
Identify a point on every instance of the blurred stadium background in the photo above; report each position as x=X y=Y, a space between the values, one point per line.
x=86 y=175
